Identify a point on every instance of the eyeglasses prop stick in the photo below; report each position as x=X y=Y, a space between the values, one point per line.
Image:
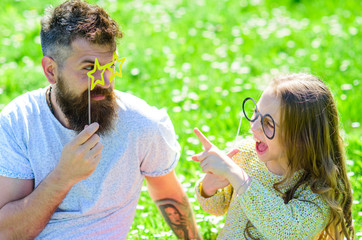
x=237 y=134
x=89 y=102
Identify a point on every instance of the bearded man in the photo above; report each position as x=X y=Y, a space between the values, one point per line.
x=61 y=178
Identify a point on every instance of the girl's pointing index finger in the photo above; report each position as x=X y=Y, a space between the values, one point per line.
x=204 y=141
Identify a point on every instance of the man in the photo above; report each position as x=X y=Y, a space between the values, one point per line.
x=61 y=178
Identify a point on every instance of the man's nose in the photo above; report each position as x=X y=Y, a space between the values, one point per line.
x=106 y=77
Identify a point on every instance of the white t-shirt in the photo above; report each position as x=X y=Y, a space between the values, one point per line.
x=103 y=205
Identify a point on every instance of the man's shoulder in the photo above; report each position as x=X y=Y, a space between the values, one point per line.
x=138 y=115
x=129 y=100
x=135 y=107
x=25 y=105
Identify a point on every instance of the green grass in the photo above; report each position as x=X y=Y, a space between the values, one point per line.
x=199 y=59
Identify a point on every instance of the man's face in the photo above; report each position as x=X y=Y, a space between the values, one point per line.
x=72 y=87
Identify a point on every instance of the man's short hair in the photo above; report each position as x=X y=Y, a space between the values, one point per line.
x=74 y=19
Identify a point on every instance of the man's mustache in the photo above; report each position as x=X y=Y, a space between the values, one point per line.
x=99 y=91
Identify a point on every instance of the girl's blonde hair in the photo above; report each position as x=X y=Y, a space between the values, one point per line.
x=312 y=141
x=310 y=135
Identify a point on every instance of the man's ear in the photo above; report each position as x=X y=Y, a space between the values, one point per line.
x=49 y=68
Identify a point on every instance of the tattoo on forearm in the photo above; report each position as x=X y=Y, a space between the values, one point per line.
x=178 y=216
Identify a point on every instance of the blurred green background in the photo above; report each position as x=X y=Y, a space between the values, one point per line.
x=199 y=59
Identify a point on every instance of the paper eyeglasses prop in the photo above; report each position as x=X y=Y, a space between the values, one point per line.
x=110 y=66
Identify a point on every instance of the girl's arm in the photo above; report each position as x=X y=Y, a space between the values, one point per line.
x=218 y=191
x=217 y=204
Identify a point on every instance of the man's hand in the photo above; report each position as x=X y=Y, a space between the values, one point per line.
x=24 y=213
x=80 y=157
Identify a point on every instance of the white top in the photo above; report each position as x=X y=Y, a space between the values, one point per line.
x=103 y=205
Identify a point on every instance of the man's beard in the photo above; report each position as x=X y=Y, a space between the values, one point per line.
x=75 y=108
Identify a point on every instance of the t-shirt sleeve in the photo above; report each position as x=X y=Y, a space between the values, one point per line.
x=163 y=150
x=13 y=154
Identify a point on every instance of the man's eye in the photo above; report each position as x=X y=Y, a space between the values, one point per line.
x=88 y=68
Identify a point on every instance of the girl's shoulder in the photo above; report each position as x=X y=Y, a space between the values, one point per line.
x=247 y=157
x=247 y=147
x=248 y=160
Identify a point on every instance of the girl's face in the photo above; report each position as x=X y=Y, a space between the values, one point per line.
x=270 y=152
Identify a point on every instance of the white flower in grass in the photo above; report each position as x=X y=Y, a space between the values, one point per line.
x=214 y=230
x=186 y=67
x=345 y=64
x=192 y=32
x=176 y=109
x=346 y=87
x=203 y=87
x=352 y=30
x=172 y=35
x=135 y=71
x=208 y=57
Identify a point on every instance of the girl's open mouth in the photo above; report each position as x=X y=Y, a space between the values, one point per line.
x=261 y=147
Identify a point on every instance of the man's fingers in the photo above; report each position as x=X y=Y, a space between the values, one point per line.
x=204 y=141
x=91 y=142
x=232 y=153
x=97 y=158
x=96 y=151
x=84 y=135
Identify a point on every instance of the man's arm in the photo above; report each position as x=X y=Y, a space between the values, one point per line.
x=171 y=200
x=23 y=212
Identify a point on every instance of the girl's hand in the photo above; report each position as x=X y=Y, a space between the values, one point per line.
x=211 y=182
x=214 y=161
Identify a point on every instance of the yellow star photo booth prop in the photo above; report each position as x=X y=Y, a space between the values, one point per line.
x=110 y=66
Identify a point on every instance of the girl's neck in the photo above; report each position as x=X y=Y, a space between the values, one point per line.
x=276 y=168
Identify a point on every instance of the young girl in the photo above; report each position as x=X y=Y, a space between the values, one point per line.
x=291 y=181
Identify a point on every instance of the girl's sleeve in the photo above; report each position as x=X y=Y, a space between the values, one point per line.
x=301 y=218
x=217 y=204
